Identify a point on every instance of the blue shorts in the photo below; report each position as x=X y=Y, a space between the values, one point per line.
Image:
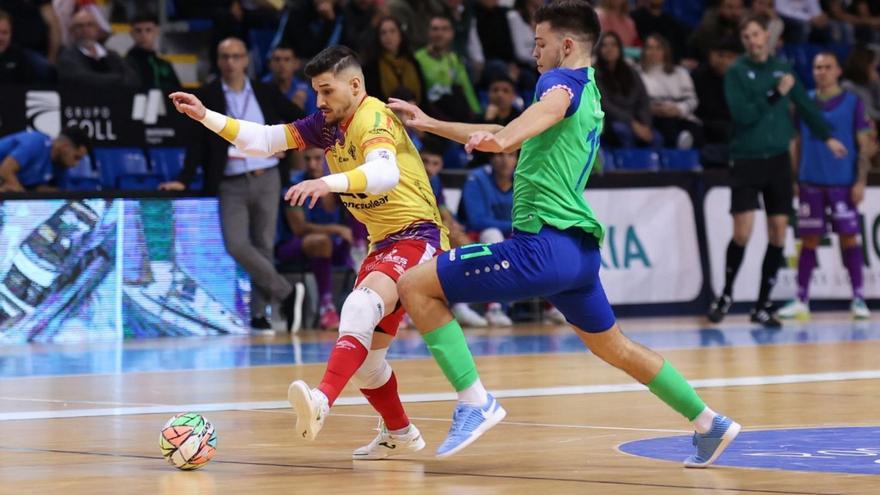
x=561 y=266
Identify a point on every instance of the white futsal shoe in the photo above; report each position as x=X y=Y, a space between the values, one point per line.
x=387 y=444
x=467 y=316
x=794 y=310
x=311 y=409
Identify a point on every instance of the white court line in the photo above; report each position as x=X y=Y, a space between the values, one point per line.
x=447 y=396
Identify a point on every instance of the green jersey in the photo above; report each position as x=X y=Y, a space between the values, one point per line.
x=554 y=166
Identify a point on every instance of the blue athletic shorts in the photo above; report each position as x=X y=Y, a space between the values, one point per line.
x=561 y=266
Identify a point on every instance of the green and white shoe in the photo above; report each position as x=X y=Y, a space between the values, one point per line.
x=860 y=310
x=795 y=310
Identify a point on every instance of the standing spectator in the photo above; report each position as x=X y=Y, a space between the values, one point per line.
x=650 y=19
x=486 y=210
x=775 y=26
x=450 y=93
x=432 y=157
x=320 y=235
x=390 y=63
x=804 y=20
x=673 y=98
x=154 y=71
x=614 y=18
x=248 y=187
x=712 y=109
x=284 y=68
x=759 y=89
x=624 y=98
x=861 y=77
x=359 y=22
x=35 y=26
x=831 y=183
x=28 y=158
x=15 y=68
x=721 y=22
x=88 y=63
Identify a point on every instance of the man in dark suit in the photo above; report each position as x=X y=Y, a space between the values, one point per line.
x=249 y=188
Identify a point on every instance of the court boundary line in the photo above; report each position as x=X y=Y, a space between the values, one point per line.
x=709 y=383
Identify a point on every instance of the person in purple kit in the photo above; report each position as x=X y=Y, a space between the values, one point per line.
x=829 y=184
x=320 y=235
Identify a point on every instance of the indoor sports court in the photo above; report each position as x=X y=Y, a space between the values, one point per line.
x=80 y=419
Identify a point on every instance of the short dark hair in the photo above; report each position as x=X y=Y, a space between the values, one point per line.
x=4 y=16
x=442 y=15
x=828 y=53
x=433 y=145
x=77 y=136
x=143 y=17
x=334 y=59
x=285 y=46
x=758 y=19
x=575 y=16
x=502 y=78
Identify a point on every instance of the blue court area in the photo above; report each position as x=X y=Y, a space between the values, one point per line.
x=853 y=450
x=237 y=352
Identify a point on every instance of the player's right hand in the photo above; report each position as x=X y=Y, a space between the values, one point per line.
x=172 y=186
x=188 y=104
x=411 y=115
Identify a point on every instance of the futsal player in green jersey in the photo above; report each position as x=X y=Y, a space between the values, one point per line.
x=554 y=251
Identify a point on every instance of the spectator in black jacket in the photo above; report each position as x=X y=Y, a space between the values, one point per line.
x=650 y=19
x=154 y=71
x=14 y=65
x=712 y=109
x=86 y=62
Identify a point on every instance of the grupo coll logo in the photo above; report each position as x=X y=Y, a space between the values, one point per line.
x=43 y=112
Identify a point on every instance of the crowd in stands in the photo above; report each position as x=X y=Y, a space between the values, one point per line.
x=660 y=67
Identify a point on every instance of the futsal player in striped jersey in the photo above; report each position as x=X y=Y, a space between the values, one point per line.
x=380 y=178
x=554 y=251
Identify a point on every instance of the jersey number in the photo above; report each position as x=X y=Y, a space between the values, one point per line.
x=474 y=251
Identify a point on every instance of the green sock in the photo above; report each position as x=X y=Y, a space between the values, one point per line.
x=675 y=391
x=450 y=350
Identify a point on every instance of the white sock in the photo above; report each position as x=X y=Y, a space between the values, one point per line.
x=703 y=422
x=475 y=395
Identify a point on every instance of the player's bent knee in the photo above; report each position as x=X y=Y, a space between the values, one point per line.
x=375 y=371
x=361 y=312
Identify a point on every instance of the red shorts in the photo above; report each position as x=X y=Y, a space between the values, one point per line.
x=393 y=260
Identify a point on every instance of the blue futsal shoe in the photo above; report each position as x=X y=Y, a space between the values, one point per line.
x=468 y=423
x=710 y=445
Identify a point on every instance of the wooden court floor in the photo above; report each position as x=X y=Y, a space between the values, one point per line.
x=81 y=432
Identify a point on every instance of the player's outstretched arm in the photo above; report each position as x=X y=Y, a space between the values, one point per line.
x=378 y=174
x=455 y=131
x=536 y=119
x=249 y=137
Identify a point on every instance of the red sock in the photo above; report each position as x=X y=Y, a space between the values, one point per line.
x=386 y=401
x=346 y=357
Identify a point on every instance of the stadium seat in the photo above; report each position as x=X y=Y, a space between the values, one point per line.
x=606 y=160
x=85 y=176
x=680 y=160
x=636 y=159
x=126 y=168
x=169 y=162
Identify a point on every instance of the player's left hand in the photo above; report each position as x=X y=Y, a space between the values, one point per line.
x=858 y=192
x=313 y=189
x=837 y=148
x=483 y=141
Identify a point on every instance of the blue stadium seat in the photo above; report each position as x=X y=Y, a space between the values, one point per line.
x=169 y=162
x=680 y=160
x=85 y=176
x=126 y=168
x=606 y=158
x=636 y=159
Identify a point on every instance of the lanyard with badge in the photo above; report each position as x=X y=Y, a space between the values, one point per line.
x=239 y=114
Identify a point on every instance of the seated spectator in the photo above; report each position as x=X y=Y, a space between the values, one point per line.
x=65 y=9
x=861 y=77
x=486 y=210
x=36 y=27
x=775 y=26
x=313 y=25
x=717 y=23
x=712 y=109
x=284 y=67
x=672 y=94
x=15 y=67
x=804 y=21
x=88 y=63
x=28 y=159
x=502 y=98
x=320 y=235
x=450 y=93
x=154 y=71
x=650 y=19
x=860 y=19
x=389 y=63
x=614 y=18
x=624 y=99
